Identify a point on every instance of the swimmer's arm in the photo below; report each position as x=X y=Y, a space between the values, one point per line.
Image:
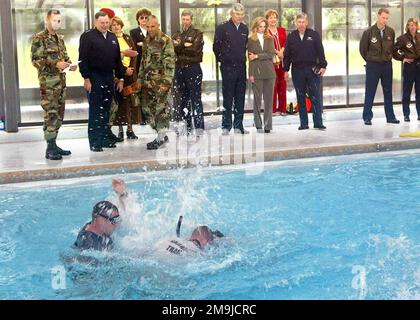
x=120 y=188
x=122 y=198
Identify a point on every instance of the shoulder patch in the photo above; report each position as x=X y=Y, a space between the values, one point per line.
x=39 y=34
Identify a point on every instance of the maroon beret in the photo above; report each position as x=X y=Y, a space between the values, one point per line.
x=109 y=12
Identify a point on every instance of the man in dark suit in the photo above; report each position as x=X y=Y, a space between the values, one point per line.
x=139 y=35
x=229 y=47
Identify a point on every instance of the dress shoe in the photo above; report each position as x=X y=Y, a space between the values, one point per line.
x=120 y=137
x=225 y=132
x=321 y=127
x=109 y=145
x=131 y=135
x=267 y=130
x=418 y=118
x=112 y=137
x=96 y=149
x=156 y=144
x=241 y=131
x=407 y=119
x=260 y=130
x=368 y=122
x=303 y=127
x=393 y=121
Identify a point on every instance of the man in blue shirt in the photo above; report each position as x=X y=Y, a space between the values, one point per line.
x=229 y=46
x=305 y=52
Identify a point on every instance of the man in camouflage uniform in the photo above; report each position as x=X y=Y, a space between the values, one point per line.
x=155 y=77
x=49 y=56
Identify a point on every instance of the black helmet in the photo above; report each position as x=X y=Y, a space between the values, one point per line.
x=106 y=210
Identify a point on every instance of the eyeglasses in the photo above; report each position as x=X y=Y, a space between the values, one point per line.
x=143 y=17
x=113 y=220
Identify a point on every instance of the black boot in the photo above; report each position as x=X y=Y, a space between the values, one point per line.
x=131 y=135
x=156 y=144
x=61 y=151
x=52 y=152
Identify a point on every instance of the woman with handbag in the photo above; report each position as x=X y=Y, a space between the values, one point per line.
x=261 y=72
x=279 y=37
x=128 y=112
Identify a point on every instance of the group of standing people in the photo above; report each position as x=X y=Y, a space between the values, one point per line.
x=109 y=58
x=378 y=47
x=270 y=54
x=121 y=73
x=128 y=77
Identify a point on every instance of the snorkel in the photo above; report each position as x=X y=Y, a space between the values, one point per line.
x=178 y=226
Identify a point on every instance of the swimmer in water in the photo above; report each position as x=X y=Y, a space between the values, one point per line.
x=96 y=234
x=201 y=237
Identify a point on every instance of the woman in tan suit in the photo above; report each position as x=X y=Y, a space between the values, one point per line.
x=128 y=112
x=261 y=72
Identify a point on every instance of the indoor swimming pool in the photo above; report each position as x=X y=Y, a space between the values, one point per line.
x=332 y=228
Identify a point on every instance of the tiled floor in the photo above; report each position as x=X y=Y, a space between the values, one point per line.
x=22 y=153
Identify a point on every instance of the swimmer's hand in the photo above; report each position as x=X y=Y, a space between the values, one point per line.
x=118 y=185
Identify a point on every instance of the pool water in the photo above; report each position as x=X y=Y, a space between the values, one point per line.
x=333 y=228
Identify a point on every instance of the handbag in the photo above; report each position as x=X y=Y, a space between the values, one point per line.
x=129 y=90
x=276 y=60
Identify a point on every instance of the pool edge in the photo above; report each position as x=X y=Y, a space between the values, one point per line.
x=9 y=177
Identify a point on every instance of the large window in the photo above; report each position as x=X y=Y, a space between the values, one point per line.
x=30 y=16
x=343 y=22
x=30 y=20
x=334 y=35
x=358 y=22
x=126 y=10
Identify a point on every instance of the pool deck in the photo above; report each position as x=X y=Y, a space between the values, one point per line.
x=22 y=154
